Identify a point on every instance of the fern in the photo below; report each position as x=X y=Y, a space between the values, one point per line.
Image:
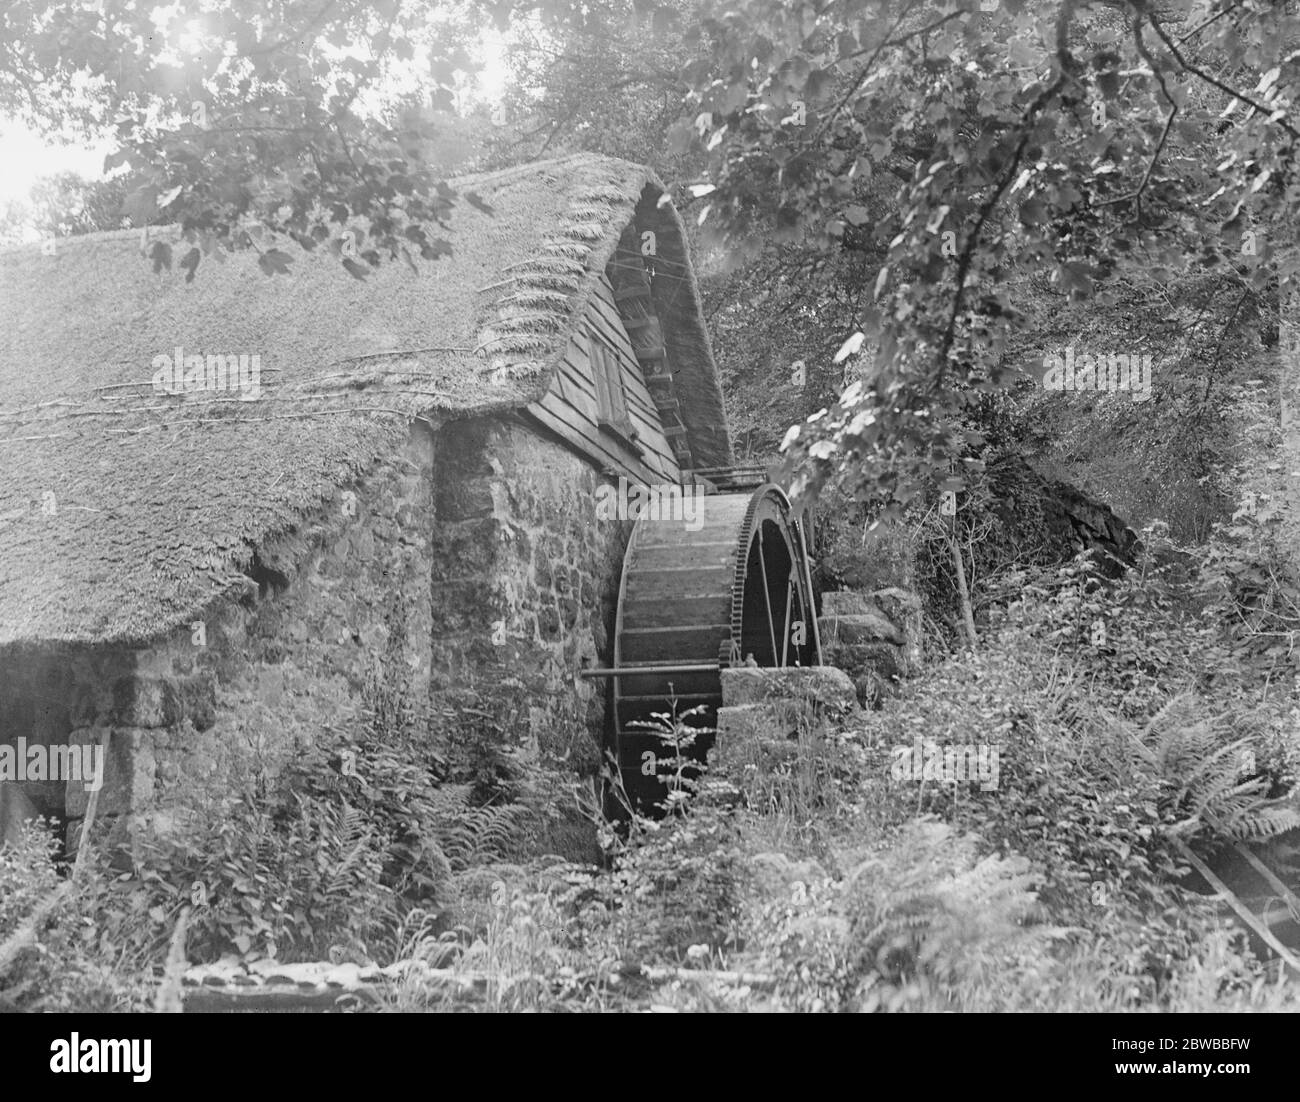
x=1208 y=773
x=470 y=835
x=930 y=908
x=355 y=836
x=1263 y=822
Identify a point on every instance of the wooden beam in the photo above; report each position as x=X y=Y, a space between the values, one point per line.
x=634 y=671
x=1267 y=935
x=1255 y=863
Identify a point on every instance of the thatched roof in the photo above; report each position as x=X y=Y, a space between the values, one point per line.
x=158 y=500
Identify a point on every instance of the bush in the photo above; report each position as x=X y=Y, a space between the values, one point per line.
x=1111 y=745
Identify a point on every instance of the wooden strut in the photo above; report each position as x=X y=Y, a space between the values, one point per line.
x=808 y=613
x=767 y=597
x=169 y=998
x=785 y=626
x=92 y=808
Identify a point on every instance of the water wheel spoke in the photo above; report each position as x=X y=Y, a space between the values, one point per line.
x=767 y=595
x=785 y=631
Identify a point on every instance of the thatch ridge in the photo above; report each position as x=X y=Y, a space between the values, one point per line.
x=125 y=512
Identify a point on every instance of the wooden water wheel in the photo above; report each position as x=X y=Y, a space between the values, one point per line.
x=737 y=590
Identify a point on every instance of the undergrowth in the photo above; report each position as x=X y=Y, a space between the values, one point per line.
x=1129 y=717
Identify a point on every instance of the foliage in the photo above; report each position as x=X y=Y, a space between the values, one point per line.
x=1214 y=783
x=675 y=879
x=677 y=765
x=283 y=883
x=1019 y=139
x=91 y=958
x=603 y=78
x=1211 y=337
x=1064 y=798
x=932 y=912
x=335 y=857
x=27 y=873
x=249 y=122
x=1108 y=750
x=1249 y=579
x=680 y=887
x=938 y=927
x=65 y=204
x=1110 y=746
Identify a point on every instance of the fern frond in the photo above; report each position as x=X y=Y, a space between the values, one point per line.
x=1266 y=822
x=1157 y=722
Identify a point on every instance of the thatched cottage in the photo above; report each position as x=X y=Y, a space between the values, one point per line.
x=222 y=500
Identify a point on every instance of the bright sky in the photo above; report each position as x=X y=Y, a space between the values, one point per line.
x=24 y=157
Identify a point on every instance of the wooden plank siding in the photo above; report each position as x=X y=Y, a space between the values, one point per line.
x=570 y=408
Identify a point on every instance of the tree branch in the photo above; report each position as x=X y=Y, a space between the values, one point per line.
x=1214 y=82
x=1066 y=64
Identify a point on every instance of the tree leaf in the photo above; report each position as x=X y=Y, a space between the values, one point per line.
x=274 y=262
x=161 y=255
x=850 y=346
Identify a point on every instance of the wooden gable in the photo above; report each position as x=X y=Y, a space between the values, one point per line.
x=600 y=403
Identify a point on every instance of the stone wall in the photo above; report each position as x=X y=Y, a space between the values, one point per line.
x=471 y=565
x=874 y=637
x=525 y=588
x=1047 y=521
x=259 y=676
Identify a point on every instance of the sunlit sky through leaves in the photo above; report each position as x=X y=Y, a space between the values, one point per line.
x=26 y=155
